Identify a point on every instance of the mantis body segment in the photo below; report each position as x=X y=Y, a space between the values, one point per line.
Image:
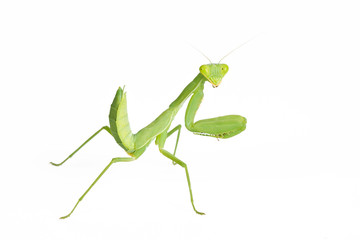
x=158 y=130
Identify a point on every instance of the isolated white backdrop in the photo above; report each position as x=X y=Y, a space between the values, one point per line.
x=293 y=174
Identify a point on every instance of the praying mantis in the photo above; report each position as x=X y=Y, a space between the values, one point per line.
x=158 y=130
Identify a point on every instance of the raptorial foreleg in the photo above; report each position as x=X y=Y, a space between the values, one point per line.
x=218 y=127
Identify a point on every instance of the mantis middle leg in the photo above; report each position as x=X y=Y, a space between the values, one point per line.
x=181 y=163
x=161 y=142
x=177 y=128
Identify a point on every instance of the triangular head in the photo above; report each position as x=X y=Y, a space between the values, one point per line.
x=214 y=72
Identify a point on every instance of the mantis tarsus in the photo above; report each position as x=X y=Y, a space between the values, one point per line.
x=135 y=144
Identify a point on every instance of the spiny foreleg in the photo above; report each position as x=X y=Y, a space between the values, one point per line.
x=218 y=127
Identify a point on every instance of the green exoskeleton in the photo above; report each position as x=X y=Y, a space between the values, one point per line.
x=135 y=144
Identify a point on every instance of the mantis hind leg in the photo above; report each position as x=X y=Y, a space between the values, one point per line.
x=96 y=133
x=181 y=163
x=114 y=160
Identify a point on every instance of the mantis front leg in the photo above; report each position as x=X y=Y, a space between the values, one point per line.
x=219 y=127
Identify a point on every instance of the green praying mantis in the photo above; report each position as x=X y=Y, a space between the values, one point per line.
x=136 y=144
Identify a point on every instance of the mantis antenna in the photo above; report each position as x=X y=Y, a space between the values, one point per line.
x=237 y=48
x=201 y=53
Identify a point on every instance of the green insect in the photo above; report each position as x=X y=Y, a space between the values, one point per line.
x=136 y=144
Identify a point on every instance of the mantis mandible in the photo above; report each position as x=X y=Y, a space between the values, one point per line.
x=136 y=144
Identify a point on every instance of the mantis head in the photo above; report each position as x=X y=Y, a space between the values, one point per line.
x=214 y=72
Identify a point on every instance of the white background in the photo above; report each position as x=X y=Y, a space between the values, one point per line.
x=293 y=174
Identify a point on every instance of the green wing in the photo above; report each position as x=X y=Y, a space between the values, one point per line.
x=119 y=122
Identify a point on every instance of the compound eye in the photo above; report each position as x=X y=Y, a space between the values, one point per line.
x=204 y=70
x=224 y=68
